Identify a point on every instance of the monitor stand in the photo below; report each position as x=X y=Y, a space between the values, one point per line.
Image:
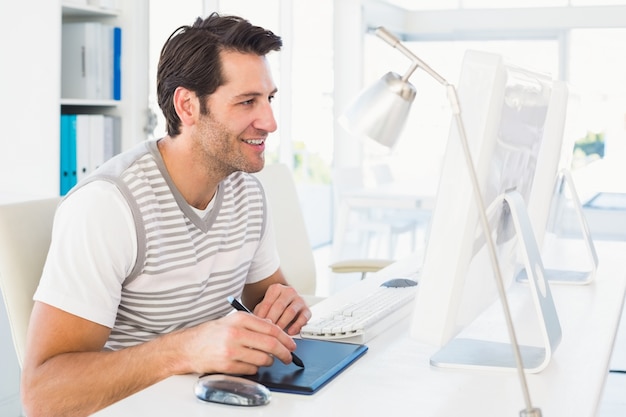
x=566 y=276
x=483 y=354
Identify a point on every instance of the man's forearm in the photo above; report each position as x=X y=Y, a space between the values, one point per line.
x=80 y=383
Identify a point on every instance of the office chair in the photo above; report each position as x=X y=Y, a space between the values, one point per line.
x=25 y=230
x=292 y=239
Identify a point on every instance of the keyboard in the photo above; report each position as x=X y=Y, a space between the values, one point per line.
x=362 y=319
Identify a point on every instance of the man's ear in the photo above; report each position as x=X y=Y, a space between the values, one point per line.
x=186 y=105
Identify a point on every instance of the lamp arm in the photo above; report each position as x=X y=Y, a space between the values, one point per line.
x=529 y=411
x=388 y=37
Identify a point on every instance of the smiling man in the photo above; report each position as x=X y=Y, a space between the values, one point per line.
x=147 y=249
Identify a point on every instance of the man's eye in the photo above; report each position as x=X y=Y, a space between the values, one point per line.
x=248 y=102
x=270 y=98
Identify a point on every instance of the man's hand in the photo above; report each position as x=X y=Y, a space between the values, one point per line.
x=283 y=306
x=239 y=343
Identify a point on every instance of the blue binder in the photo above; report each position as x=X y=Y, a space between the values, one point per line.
x=68 y=153
x=117 y=63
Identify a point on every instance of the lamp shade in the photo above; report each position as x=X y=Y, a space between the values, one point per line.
x=380 y=112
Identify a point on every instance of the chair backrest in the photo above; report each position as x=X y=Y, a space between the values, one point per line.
x=292 y=239
x=25 y=231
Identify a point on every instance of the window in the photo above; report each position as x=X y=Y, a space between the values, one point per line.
x=419 y=150
x=597 y=68
x=589 y=58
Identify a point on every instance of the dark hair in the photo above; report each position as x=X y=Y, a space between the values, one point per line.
x=190 y=58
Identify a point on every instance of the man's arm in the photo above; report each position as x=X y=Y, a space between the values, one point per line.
x=273 y=299
x=66 y=373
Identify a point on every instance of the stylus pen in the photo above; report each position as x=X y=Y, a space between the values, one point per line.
x=238 y=306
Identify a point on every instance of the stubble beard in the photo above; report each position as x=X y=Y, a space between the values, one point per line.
x=218 y=150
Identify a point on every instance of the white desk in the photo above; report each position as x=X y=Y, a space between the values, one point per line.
x=395 y=377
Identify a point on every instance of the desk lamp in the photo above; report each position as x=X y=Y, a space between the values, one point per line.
x=380 y=113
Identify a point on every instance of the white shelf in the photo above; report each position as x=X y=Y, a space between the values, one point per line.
x=78 y=10
x=89 y=102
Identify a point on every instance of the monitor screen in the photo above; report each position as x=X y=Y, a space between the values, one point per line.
x=514 y=122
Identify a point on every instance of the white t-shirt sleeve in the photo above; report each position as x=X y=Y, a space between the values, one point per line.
x=93 y=249
x=266 y=260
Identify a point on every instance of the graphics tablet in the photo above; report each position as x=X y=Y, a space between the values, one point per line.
x=323 y=360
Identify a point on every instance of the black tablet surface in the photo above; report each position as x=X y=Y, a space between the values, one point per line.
x=323 y=360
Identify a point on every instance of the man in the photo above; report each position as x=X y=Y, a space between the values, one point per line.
x=145 y=252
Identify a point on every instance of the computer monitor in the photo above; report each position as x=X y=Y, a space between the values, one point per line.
x=550 y=201
x=511 y=116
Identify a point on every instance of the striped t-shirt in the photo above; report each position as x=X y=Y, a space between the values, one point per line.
x=186 y=264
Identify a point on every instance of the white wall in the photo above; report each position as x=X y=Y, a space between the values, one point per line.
x=30 y=41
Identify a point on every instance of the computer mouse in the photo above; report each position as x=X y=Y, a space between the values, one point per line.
x=231 y=390
x=399 y=282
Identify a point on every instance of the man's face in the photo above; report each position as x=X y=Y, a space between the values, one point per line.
x=231 y=137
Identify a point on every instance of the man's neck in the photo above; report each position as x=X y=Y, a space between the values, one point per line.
x=189 y=178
